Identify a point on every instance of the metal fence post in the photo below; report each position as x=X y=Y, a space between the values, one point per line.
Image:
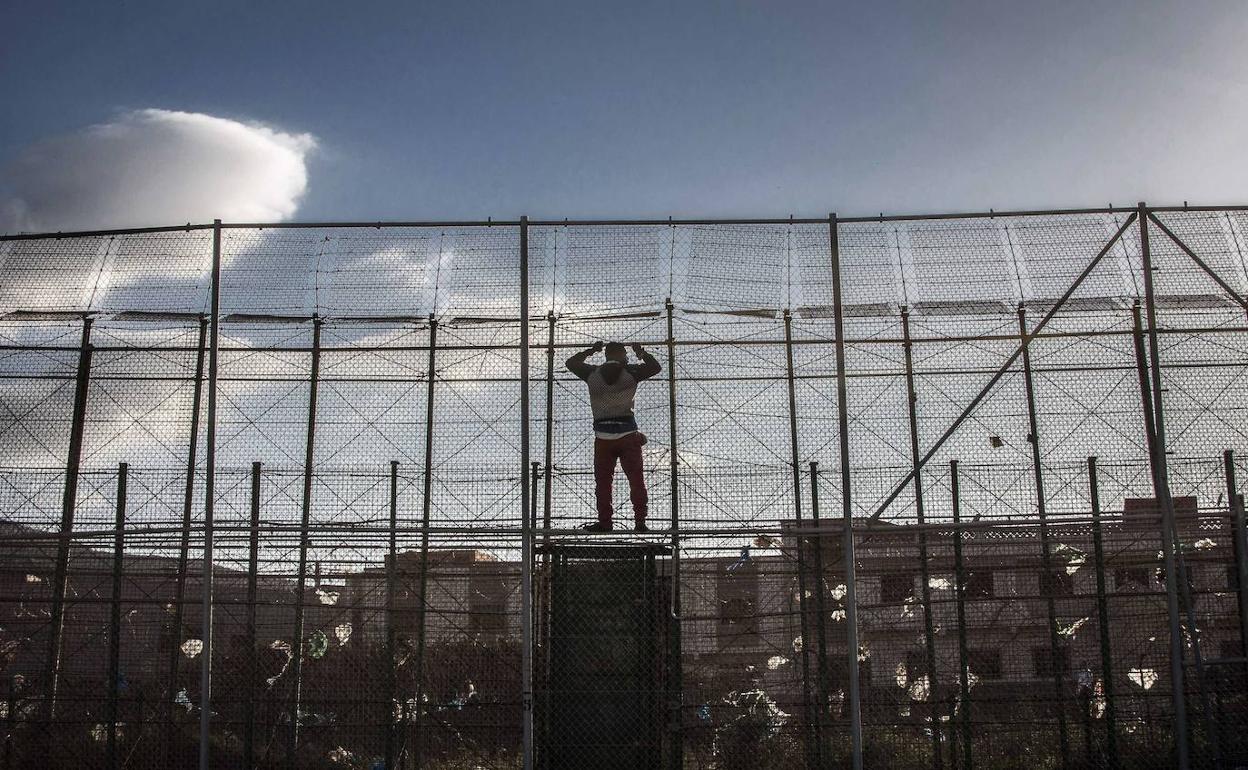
x=824 y=688
x=253 y=567
x=1150 y=382
x=1170 y=535
x=543 y=605
x=526 y=533
x=426 y=511
x=188 y=505
x=548 y=485
x=676 y=694
x=1102 y=614
x=1047 y=582
x=69 y=501
x=542 y=679
x=391 y=648
x=813 y=706
x=847 y=502
x=925 y=590
x=114 y=621
x=964 y=669
x=535 y=477
x=1239 y=533
x=305 y=518
x=210 y=479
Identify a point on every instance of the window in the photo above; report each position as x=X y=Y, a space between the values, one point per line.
x=1231 y=648
x=897 y=587
x=736 y=616
x=985 y=664
x=1056 y=583
x=1232 y=577
x=1049 y=661
x=487 y=604
x=736 y=593
x=1130 y=578
x=979 y=584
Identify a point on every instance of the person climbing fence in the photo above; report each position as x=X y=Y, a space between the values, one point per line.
x=612 y=387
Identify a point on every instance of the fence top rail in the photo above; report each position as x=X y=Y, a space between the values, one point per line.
x=490 y=222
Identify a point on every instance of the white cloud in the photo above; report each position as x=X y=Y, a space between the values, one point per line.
x=156 y=167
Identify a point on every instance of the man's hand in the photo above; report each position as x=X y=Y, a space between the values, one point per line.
x=598 y=346
x=638 y=350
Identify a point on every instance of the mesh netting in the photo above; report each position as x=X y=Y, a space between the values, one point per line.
x=370 y=554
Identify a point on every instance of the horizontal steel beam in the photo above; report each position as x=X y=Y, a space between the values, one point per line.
x=670 y=221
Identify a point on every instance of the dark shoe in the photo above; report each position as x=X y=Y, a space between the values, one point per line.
x=597 y=526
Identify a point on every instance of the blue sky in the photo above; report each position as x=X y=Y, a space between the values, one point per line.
x=467 y=110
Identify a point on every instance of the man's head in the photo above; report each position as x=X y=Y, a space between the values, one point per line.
x=615 y=351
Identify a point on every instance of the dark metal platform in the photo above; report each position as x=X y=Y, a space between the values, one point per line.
x=605 y=656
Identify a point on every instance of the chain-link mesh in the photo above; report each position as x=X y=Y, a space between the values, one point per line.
x=1014 y=604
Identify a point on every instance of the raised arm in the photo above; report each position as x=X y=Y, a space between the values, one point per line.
x=649 y=365
x=576 y=364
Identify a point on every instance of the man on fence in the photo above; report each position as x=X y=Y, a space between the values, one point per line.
x=612 y=387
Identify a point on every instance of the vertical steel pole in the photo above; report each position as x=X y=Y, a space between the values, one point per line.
x=10 y=722
x=253 y=568
x=210 y=480
x=535 y=475
x=1161 y=489
x=847 y=505
x=925 y=589
x=114 y=621
x=1046 y=553
x=813 y=705
x=543 y=590
x=676 y=695
x=650 y=637
x=821 y=612
x=1102 y=615
x=391 y=567
x=69 y=501
x=548 y=488
x=426 y=511
x=964 y=669
x=536 y=467
x=305 y=520
x=188 y=505
x=1239 y=533
x=1172 y=611
x=526 y=534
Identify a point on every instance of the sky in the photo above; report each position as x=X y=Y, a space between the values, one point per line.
x=147 y=113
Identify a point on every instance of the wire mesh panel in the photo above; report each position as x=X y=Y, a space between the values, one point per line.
x=29 y=285
x=40 y=364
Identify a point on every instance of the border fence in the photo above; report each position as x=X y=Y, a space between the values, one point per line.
x=925 y=492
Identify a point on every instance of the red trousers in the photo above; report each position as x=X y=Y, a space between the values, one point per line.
x=628 y=451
